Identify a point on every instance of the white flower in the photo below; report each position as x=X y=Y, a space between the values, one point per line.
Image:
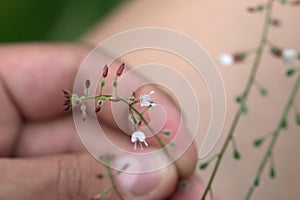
x=138 y=136
x=145 y=100
x=226 y=59
x=288 y=55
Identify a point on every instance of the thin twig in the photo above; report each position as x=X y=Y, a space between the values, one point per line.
x=275 y=136
x=246 y=93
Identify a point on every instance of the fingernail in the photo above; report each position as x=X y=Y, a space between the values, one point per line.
x=137 y=184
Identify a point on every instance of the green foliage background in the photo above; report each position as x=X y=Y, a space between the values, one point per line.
x=50 y=20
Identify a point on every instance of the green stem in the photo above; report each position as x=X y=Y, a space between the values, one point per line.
x=246 y=92
x=113 y=182
x=275 y=136
x=160 y=142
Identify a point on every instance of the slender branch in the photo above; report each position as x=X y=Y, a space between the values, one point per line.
x=246 y=93
x=160 y=142
x=113 y=182
x=275 y=136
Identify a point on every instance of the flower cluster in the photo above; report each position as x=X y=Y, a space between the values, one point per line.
x=72 y=100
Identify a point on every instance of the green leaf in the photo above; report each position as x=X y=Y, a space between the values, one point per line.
x=203 y=166
x=102 y=83
x=272 y=172
x=172 y=144
x=167 y=133
x=258 y=142
x=263 y=91
x=283 y=123
x=256 y=181
x=290 y=72
x=239 y=99
x=236 y=155
x=297 y=119
x=244 y=108
x=115 y=84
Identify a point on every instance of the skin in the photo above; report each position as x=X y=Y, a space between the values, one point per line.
x=41 y=155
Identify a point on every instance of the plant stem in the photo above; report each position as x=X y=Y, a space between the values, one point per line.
x=275 y=136
x=246 y=92
x=113 y=183
x=160 y=142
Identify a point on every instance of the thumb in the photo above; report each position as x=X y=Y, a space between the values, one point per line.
x=77 y=177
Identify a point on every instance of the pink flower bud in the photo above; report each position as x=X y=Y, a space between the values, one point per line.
x=120 y=69
x=97 y=109
x=87 y=83
x=251 y=9
x=105 y=71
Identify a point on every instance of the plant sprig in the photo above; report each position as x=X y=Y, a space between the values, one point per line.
x=245 y=94
x=268 y=154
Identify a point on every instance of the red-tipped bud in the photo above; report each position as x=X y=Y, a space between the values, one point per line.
x=251 y=9
x=105 y=71
x=275 y=22
x=240 y=56
x=87 y=83
x=97 y=109
x=276 y=51
x=256 y=8
x=120 y=69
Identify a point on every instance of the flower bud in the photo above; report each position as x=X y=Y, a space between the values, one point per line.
x=240 y=56
x=120 y=69
x=276 y=51
x=87 y=83
x=105 y=71
x=97 y=109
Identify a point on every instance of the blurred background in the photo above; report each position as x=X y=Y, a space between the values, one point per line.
x=59 y=20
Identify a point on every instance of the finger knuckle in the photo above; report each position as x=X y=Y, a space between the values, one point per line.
x=69 y=179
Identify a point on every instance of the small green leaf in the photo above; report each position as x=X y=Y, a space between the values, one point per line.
x=263 y=91
x=203 y=166
x=290 y=72
x=239 y=99
x=236 y=155
x=244 y=108
x=272 y=172
x=167 y=133
x=298 y=119
x=258 y=142
x=115 y=84
x=172 y=144
x=256 y=181
x=102 y=83
x=283 y=123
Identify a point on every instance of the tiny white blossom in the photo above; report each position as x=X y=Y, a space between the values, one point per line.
x=226 y=59
x=145 y=100
x=288 y=55
x=138 y=136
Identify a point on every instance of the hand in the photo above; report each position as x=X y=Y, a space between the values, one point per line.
x=41 y=156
